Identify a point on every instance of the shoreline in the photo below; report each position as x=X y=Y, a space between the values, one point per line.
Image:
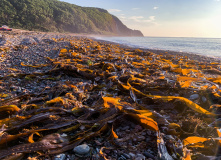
x=193 y=56
x=85 y=98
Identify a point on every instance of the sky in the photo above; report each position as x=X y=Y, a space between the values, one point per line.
x=164 y=18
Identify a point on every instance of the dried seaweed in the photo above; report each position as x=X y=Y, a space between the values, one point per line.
x=96 y=89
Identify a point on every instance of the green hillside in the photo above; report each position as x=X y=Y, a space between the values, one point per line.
x=57 y=16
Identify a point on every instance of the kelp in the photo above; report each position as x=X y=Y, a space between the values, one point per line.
x=9 y=108
x=186 y=101
x=34 y=66
x=132 y=99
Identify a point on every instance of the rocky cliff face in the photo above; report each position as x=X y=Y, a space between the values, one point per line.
x=123 y=30
x=57 y=16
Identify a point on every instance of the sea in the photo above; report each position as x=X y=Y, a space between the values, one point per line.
x=210 y=47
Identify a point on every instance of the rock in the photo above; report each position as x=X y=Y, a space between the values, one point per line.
x=60 y=157
x=138 y=128
x=122 y=158
x=132 y=155
x=204 y=99
x=140 y=138
x=140 y=157
x=71 y=157
x=2 y=41
x=49 y=41
x=82 y=127
x=28 y=41
x=36 y=39
x=148 y=155
x=148 y=139
x=125 y=128
x=194 y=96
x=82 y=150
x=126 y=156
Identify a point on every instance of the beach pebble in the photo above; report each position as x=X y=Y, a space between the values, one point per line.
x=132 y=155
x=127 y=156
x=204 y=99
x=83 y=149
x=140 y=138
x=148 y=155
x=60 y=157
x=50 y=41
x=2 y=41
x=27 y=41
x=140 y=157
x=194 y=96
x=125 y=128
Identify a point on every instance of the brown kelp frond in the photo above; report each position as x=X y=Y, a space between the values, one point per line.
x=114 y=102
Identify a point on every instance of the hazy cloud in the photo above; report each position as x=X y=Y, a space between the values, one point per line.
x=150 y=20
x=155 y=8
x=141 y=20
x=135 y=9
x=114 y=10
x=122 y=17
x=136 y=18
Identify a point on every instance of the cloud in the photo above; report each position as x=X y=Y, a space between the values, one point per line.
x=136 y=18
x=113 y=10
x=135 y=9
x=155 y=8
x=122 y=17
x=151 y=19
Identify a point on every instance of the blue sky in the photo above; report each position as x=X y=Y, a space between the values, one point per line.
x=165 y=18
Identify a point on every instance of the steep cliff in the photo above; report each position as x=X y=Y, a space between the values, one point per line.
x=54 y=15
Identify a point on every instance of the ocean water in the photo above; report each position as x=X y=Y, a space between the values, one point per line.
x=202 y=46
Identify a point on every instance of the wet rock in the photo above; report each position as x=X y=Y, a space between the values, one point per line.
x=125 y=128
x=194 y=96
x=140 y=138
x=60 y=157
x=140 y=157
x=49 y=41
x=138 y=128
x=126 y=155
x=122 y=157
x=132 y=155
x=28 y=41
x=204 y=99
x=2 y=41
x=148 y=155
x=82 y=150
x=36 y=39
x=71 y=157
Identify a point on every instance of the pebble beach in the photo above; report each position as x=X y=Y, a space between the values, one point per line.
x=66 y=96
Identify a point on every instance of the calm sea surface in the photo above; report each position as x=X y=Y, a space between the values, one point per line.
x=203 y=46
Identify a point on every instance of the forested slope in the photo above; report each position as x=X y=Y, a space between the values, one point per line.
x=57 y=16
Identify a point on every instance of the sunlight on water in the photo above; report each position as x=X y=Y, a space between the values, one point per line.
x=203 y=46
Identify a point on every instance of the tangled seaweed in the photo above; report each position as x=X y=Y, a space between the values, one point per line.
x=114 y=99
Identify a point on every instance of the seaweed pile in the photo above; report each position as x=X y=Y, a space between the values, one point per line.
x=114 y=102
